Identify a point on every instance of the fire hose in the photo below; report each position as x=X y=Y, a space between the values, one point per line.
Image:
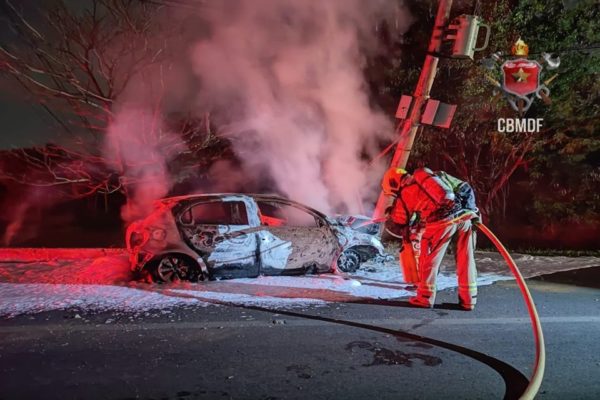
x=540 y=350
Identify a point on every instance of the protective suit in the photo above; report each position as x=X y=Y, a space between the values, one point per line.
x=444 y=205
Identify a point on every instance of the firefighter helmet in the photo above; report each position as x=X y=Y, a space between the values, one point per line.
x=392 y=180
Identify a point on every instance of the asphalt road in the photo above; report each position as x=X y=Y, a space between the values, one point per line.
x=383 y=350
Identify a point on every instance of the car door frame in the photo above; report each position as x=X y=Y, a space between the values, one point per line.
x=217 y=234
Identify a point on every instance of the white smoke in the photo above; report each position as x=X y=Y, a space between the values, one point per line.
x=288 y=78
x=139 y=148
x=284 y=80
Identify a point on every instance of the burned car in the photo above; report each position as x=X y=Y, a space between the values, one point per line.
x=221 y=236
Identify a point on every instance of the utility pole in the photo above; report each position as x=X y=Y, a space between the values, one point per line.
x=407 y=129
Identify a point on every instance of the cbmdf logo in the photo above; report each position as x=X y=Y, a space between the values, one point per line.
x=520 y=79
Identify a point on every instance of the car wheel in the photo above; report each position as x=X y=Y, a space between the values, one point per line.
x=175 y=267
x=349 y=261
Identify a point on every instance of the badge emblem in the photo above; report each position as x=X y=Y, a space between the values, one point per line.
x=520 y=78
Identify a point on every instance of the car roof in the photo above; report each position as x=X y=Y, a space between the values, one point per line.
x=211 y=196
x=256 y=197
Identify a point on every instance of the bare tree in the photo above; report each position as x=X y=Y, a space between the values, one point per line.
x=78 y=63
x=84 y=59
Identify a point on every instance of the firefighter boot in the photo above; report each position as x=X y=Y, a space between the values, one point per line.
x=467 y=306
x=421 y=302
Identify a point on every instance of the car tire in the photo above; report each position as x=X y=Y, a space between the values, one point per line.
x=175 y=267
x=349 y=261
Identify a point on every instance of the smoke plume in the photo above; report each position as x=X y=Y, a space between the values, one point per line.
x=283 y=79
x=287 y=78
x=140 y=147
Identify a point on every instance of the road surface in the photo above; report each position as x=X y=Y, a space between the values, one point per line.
x=380 y=349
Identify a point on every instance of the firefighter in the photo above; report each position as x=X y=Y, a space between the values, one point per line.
x=445 y=207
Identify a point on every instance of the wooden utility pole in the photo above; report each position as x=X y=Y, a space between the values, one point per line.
x=407 y=129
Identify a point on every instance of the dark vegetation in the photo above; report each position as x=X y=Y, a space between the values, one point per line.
x=536 y=190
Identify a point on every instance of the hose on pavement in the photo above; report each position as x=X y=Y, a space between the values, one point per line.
x=540 y=350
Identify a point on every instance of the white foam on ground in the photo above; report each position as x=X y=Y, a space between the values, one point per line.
x=18 y=299
x=102 y=284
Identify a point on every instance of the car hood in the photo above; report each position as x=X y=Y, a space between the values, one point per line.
x=350 y=237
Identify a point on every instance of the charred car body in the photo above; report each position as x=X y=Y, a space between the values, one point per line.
x=220 y=236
